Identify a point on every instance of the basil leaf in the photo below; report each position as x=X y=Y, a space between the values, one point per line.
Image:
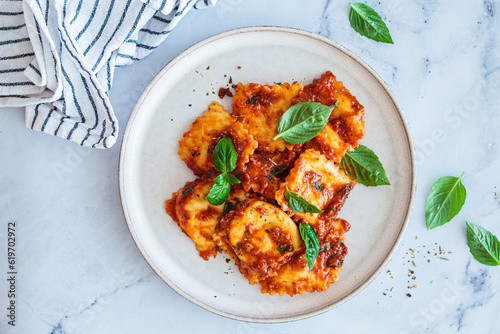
x=303 y=121
x=445 y=199
x=363 y=166
x=284 y=247
x=230 y=178
x=186 y=191
x=483 y=245
x=224 y=155
x=366 y=21
x=220 y=191
x=311 y=240
x=279 y=170
x=299 y=204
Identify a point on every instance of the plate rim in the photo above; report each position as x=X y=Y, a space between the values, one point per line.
x=257 y=29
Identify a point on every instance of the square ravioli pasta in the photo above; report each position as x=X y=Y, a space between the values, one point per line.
x=319 y=181
x=345 y=126
x=295 y=277
x=255 y=226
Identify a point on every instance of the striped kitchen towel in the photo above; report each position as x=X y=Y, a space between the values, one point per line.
x=57 y=58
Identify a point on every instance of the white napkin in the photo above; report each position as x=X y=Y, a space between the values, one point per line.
x=57 y=58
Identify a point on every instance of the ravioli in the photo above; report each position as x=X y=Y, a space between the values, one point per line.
x=319 y=181
x=265 y=171
x=255 y=225
x=199 y=142
x=345 y=127
x=195 y=215
x=295 y=277
x=197 y=218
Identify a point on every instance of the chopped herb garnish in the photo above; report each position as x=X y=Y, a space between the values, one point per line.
x=279 y=170
x=186 y=191
x=285 y=248
x=319 y=186
x=311 y=240
x=224 y=158
x=228 y=207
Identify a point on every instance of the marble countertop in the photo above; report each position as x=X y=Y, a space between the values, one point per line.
x=79 y=270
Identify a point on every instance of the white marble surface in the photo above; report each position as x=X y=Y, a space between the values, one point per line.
x=80 y=272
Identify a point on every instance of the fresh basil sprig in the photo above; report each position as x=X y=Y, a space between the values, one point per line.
x=366 y=21
x=311 y=240
x=445 y=200
x=303 y=121
x=224 y=157
x=298 y=204
x=483 y=245
x=363 y=166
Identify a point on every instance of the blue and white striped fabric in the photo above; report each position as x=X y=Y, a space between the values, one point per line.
x=57 y=58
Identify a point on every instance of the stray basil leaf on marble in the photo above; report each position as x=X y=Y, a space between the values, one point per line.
x=299 y=204
x=224 y=155
x=366 y=21
x=445 y=200
x=483 y=245
x=311 y=240
x=303 y=121
x=363 y=166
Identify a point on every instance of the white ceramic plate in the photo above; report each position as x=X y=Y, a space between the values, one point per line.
x=150 y=169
